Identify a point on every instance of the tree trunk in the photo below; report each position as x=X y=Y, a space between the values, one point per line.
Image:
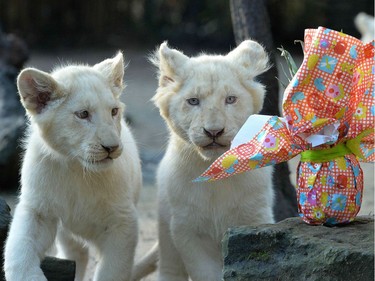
x=251 y=21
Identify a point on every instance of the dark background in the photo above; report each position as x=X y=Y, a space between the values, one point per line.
x=203 y=24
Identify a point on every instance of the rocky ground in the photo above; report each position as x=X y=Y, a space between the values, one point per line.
x=150 y=131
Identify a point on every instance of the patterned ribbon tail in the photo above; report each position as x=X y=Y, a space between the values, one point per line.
x=355 y=145
x=271 y=145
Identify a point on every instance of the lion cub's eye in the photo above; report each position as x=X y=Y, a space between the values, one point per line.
x=193 y=101
x=83 y=114
x=114 y=111
x=230 y=100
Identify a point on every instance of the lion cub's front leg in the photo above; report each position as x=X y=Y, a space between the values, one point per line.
x=72 y=249
x=200 y=255
x=116 y=249
x=30 y=235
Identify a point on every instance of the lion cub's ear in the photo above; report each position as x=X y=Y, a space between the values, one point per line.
x=171 y=64
x=37 y=89
x=251 y=56
x=113 y=70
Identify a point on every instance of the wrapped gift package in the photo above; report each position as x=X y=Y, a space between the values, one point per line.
x=328 y=119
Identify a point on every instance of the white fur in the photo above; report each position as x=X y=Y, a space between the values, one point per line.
x=70 y=188
x=366 y=26
x=194 y=216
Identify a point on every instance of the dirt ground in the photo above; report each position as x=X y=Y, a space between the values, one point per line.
x=151 y=133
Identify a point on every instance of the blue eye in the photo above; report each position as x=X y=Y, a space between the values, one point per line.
x=114 y=111
x=193 y=101
x=230 y=99
x=83 y=114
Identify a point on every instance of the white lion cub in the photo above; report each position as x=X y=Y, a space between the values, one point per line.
x=204 y=101
x=80 y=175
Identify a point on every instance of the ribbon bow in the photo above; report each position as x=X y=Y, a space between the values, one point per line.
x=329 y=117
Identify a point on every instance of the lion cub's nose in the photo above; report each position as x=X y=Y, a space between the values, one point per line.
x=110 y=149
x=213 y=133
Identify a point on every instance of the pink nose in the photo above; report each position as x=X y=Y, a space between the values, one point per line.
x=110 y=149
x=213 y=133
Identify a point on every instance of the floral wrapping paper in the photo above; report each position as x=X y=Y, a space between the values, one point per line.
x=328 y=107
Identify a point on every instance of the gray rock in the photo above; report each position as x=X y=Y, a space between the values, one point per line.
x=13 y=54
x=58 y=269
x=293 y=250
x=5 y=219
x=11 y=113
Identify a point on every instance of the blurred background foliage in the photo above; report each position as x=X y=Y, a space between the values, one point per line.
x=199 y=23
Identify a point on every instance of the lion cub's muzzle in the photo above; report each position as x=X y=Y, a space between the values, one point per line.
x=214 y=136
x=100 y=154
x=111 y=151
